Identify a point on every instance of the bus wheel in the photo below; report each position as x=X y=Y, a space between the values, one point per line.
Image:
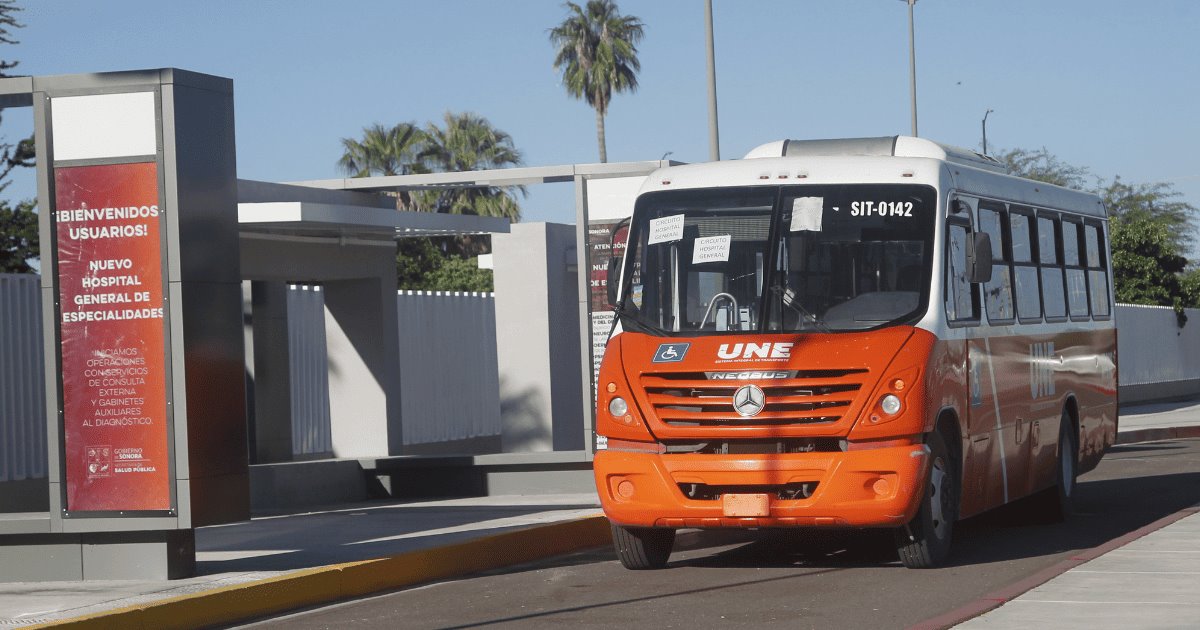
x=1054 y=504
x=925 y=542
x=642 y=547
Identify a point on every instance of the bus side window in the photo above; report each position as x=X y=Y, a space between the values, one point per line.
x=1054 y=299
x=1097 y=271
x=997 y=292
x=962 y=301
x=1077 y=297
x=1025 y=271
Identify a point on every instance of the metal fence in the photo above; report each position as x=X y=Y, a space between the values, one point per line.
x=449 y=382
x=22 y=378
x=309 y=371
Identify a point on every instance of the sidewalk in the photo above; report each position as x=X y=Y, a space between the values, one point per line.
x=1147 y=579
x=1150 y=582
x=430 y=539
x=1159 y=421
x=279 y=562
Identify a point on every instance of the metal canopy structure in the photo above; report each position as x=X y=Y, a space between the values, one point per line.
x=280 y=210
x=521 y=176
x=301 y=218
x=579 y=174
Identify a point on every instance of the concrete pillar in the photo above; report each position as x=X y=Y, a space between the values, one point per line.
x=364 y=368
x=537 y=341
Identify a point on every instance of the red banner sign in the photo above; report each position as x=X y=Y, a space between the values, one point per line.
x=110 y=290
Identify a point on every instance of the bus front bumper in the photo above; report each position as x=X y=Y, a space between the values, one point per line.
x=870 y=488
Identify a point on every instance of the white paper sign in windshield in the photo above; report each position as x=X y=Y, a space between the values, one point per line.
x=711 y=249
x=806 y=214
x=666 y=229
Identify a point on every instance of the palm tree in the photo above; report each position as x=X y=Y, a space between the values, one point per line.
x=386 y=151
x=469 y=142
x=597 y=54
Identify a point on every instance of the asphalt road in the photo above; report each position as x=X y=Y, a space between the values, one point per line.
x=793 y=579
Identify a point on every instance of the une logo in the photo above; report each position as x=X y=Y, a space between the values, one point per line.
x=756 y=351
x=1042 y=361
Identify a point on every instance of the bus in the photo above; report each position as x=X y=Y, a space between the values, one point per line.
x=856 y=333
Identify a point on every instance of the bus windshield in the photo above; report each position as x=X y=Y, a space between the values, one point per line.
x=823 y=258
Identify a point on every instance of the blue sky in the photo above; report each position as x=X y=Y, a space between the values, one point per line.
x=1109 y=85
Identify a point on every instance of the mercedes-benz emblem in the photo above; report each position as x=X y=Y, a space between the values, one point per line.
x=749 y=400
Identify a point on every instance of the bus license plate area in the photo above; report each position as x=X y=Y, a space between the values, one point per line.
x=746 y=504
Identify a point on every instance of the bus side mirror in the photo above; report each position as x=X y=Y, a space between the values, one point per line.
x=616 y=246
x=614 y=279
x=979 y=257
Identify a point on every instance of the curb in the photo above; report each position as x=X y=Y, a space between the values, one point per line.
x=1154 y=435
x=322 y=585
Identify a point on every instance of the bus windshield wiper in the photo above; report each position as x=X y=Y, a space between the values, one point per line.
x=630 y=319
x=788 y=297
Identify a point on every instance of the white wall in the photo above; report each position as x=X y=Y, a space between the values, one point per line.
x=1156 y=358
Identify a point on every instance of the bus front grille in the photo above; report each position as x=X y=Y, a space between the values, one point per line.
x=684 y=399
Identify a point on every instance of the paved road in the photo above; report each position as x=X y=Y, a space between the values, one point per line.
x=740 y=581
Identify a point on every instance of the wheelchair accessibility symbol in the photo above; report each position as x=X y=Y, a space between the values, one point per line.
x=671 y=352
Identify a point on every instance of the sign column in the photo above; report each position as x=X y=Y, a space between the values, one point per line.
x=107 y=268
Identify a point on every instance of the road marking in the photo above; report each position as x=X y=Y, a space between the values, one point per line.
x=1140 y=572
x=221 y=556
x=1071 y=601
x=1152 y=551
x=511 y=521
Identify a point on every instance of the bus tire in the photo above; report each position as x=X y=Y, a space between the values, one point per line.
x=925 y=542
x=1055 y=504
x=641 y=548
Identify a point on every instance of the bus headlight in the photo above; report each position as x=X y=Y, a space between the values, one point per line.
x=618 y=407
x=890 y=404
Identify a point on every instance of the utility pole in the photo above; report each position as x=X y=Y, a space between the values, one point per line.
x=985 y=115
x=714 y=144
x=912 y=63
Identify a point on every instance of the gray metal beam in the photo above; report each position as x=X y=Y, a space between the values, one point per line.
x=296 y=217
x=520 y=176
x=584 y=277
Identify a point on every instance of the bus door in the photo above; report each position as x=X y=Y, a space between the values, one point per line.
x=999 y=368
x=996 y=456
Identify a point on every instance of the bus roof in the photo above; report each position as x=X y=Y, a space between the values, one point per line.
x=886 y=146
x=891 y=158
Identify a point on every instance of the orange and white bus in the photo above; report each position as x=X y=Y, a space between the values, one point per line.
x=861 y=333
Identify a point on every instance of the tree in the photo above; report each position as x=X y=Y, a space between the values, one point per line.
x=1146 y=262
x=466 y=142
x=1043 y=166
x=1158 y=201
x=469 y=142
x=18 y=237
x=8 y=20
x=386 y=151
x=19 y=241
x=19 y=222
x=1190 y=287
x=597 y=55
x=422 y=264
